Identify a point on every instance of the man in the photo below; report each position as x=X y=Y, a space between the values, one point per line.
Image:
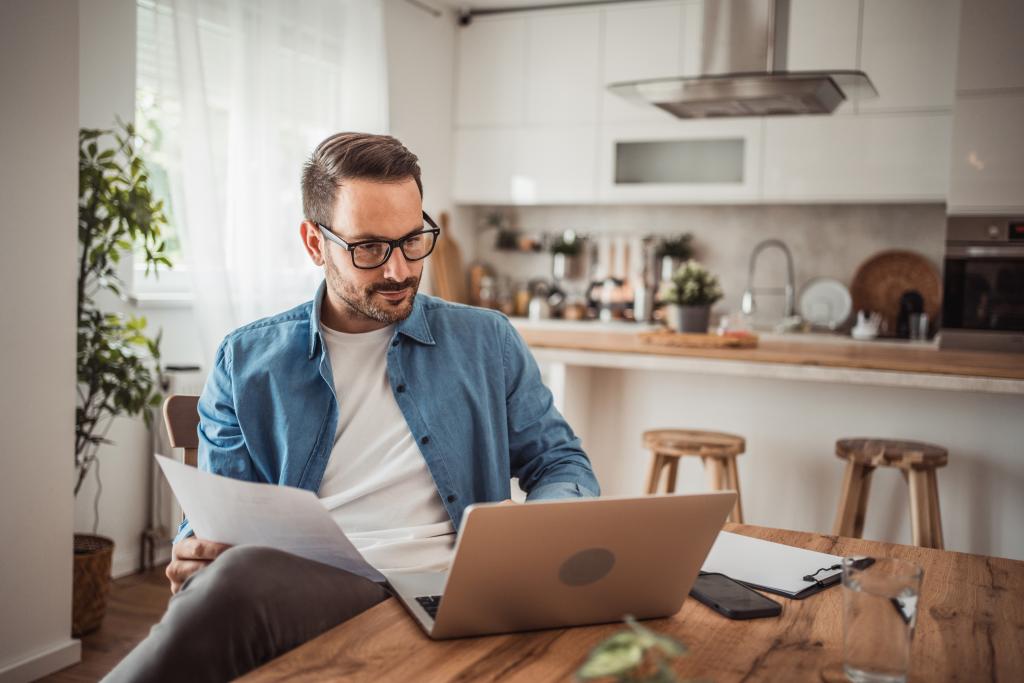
x=397 y=408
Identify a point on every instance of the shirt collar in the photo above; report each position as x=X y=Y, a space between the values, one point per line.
x=415 y=326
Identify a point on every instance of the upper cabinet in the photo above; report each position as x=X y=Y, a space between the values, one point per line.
x=536 y=124
x=908 y=49
x=991 y=48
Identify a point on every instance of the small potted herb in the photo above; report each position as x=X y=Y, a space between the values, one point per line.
x=566 y=251
x=689 y=295
x=673 y=251
x=634 y=655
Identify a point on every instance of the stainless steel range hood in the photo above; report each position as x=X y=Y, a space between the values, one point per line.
x=744 y=70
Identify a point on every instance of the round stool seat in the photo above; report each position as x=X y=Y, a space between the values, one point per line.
x=694 y=442
x=892 y=453
x=717 y=450
x=916 y=461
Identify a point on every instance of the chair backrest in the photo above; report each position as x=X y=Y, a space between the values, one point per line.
x=181 y=415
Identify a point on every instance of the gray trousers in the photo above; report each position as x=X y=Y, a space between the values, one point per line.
x=247 y=607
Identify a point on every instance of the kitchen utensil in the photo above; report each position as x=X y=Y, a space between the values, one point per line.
x=882 y=279
x=446 y=273
x=867 y=326
x=911 y=303
x=729 y=340
x=825 y=302
x=919 y=326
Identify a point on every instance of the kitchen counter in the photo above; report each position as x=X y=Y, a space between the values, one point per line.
x=783 y=357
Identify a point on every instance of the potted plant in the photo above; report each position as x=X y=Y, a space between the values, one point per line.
x=565 y=256
x=673 y=251
x=117 y=363
x=689 y=295
x=634 y=655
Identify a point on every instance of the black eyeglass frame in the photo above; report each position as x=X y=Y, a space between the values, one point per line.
x=392 y=244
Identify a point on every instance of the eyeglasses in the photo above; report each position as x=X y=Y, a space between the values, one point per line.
x=370 y=254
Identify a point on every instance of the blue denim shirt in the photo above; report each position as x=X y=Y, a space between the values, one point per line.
x=463 y=378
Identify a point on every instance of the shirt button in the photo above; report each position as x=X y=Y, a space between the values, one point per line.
x=425 y=439
x=394 y=343
x=400 y=388
x=452 y=498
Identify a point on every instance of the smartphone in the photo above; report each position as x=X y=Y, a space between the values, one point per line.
x=733 y=599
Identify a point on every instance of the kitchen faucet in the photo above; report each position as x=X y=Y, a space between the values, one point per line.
x=748 y=305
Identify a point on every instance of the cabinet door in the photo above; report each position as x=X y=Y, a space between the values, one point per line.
x=648 y=40
x=485 y=165
x=869 y=158
x=562 y=81
x=491 y=79
x=823 y=35
x=705 y=161
x=991 y=54
x=908 y=49
x=525 y=165
x=987 y=174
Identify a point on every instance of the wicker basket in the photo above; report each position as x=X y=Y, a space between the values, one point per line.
x=92 y=583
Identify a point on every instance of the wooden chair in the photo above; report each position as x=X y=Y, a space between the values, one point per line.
x=717 y=450
x=181 y=415
x=917 y=463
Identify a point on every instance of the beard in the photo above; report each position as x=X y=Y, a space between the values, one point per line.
x=364 y=302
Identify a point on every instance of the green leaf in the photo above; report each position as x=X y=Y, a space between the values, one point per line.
x=612 y=657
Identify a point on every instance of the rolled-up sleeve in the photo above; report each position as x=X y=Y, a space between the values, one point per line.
x=544 y=453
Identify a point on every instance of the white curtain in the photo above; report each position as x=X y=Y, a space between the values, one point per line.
x=241 y=93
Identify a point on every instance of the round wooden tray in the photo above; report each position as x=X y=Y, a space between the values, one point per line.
x=882 y=279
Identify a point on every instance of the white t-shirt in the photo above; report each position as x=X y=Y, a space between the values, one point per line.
x=377 y=485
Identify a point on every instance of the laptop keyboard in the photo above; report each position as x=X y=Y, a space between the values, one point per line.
x=430 y=603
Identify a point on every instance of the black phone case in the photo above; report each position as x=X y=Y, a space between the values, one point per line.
x=726 y=611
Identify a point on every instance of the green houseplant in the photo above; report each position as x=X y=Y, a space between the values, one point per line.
x=690 y=294
x=634 y=655
x=117 y=363
x=672 y=251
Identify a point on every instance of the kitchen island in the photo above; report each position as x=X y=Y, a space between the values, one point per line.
x=792 y=398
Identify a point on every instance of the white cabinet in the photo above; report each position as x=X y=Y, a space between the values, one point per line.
x=643 y=41
x=865 y=158
x=562 y=67
x=491 y=78
x=696 y=161
x=991 y=46
x=908 y=49
x=823 y=35
x=525 y=165
x=988 y=146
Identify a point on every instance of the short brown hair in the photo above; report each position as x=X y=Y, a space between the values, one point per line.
x=352 y=155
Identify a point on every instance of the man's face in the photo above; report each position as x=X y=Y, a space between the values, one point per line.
x=366 y=210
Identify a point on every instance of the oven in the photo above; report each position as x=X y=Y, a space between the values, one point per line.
x=983 y=292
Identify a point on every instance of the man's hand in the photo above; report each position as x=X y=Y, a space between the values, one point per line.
x=188 y=556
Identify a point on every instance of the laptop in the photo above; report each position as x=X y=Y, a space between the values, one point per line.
x=553 y=564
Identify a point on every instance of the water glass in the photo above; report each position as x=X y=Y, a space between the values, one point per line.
x=879 y=613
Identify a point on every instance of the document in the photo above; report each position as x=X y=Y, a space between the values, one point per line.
x=245 y=513
x=773 y=566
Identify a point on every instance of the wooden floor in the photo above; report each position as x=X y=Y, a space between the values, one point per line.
x=136 y=603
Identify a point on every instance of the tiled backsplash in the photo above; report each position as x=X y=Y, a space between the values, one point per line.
x=826 y=240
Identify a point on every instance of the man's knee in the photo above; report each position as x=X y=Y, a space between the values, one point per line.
x=238 y=575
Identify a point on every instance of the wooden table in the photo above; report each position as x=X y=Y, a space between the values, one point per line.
x=970 y=628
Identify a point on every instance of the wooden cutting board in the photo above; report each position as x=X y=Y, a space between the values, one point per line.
x=882 y=279
x=699 y=341
x=447 y=276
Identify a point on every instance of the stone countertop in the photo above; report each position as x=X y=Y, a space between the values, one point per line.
x=828 y=358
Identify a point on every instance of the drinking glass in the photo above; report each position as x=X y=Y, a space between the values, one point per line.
x=879 y=613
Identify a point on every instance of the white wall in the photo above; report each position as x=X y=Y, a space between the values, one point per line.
x=38 y=193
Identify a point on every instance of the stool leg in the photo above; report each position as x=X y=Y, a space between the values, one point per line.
x=655 y=472
x=673 y=472
x=862 y=501
x=920 y=510
x=933 y=507
x=849 y=500
x=733 y=482
x=714 y=471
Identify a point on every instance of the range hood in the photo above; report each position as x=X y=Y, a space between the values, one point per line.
x=743 y=70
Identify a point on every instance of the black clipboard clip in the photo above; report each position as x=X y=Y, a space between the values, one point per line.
x=862 y=563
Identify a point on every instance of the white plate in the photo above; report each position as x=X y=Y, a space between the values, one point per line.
x=825 y=302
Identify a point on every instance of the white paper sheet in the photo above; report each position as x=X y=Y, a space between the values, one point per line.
x=763 y=563
x=244 y=513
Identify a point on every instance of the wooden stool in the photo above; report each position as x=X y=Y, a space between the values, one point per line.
x=917 y=463
x=716 y=450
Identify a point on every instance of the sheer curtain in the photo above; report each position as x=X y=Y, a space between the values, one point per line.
x=239 y=93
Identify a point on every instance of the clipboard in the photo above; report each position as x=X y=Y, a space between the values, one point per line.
x=794 y=573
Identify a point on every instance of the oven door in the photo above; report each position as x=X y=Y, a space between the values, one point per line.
x=983 y=297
